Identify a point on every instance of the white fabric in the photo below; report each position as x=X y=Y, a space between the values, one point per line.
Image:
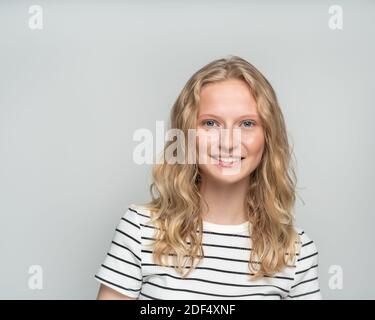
x=222 y=274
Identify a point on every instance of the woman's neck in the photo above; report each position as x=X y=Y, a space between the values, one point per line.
x=226 y=202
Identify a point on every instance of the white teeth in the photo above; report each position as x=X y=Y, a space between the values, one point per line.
x=228 y=159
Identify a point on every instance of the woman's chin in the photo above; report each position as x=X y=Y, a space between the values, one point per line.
x=225 y=175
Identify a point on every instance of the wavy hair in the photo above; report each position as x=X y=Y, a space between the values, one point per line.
x=176 y=200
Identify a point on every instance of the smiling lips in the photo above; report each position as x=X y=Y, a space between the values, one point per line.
x=228 y=161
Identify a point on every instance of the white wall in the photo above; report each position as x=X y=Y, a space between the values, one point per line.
x=72 y=94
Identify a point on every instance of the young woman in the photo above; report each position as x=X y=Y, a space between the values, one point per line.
x=219 y=229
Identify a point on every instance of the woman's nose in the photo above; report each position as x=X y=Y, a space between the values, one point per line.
x=230 y=140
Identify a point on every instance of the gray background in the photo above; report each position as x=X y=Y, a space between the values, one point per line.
x=72 y=94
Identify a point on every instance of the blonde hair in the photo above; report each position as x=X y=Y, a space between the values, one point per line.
x=175 y=205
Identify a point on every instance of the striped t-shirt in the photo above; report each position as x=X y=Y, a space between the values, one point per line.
x=223 y=273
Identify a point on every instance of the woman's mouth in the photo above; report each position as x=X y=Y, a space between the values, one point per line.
x=227 y=162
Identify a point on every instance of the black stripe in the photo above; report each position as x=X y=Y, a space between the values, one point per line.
x=227 y=247
x=220 y=283
x=217 y=245
x=212 y=232
x=148 y=226
x=306 y=244
x=209 y=257
x=226 y=234
x=139 y=213
x=214 y=269
x=309 y=256
x=314 y=266
x=279 y=277
x=130 y=222
x=147 y=296
x=208 y=244
x=125 y=234
x=123 y=274
x=304 y=294
x=117 y=244
x=287 y=254
x=316 y=278
x=212 y=294
x=116 y=285
x=208 y=232
x=118 y=258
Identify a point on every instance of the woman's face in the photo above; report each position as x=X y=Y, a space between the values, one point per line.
x=230 y=138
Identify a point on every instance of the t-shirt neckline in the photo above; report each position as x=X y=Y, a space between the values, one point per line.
x=210 y=226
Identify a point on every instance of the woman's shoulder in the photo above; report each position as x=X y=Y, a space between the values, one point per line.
x=139 y=208
x=136 y=218
x=137 y=214
x=305 y=284
x=303 y=235
x=308 y=247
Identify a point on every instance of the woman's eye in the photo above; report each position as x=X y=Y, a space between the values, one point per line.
x=248 y=123
x=209 y=123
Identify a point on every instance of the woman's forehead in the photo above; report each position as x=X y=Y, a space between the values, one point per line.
x=227 y=98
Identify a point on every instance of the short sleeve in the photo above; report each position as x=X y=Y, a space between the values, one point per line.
x=121 y=268
x=305 y=285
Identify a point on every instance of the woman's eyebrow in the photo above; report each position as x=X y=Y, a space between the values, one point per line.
x=252 y=115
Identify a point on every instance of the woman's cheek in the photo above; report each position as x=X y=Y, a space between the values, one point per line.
x=253 y=141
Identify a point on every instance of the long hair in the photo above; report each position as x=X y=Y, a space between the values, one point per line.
x=176 y=199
